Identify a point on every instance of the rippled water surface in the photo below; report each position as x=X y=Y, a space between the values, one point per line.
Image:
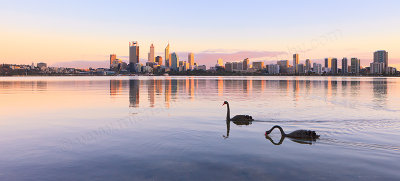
x=174 y=128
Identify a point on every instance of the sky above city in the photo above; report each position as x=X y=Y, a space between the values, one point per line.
x=81 y=31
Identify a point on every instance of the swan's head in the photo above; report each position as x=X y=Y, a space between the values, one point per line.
x=225 y=102
x=267 y=133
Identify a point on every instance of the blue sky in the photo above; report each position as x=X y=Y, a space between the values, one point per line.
x=90 y=30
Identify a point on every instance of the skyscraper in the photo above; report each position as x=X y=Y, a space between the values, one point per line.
x=174 y=61
x=112 y=58
x=191 y=59
x=159 y=60
x=246 y=63
x=381 y=56
x=167 y=57
x=328 y=62
x=334 y=67
x=151 y=53
x=344 y=66
x=283 y=66
x=295 y=62
x=308 y=65
x=133 y=54
x=220 y=62
x=355 y=65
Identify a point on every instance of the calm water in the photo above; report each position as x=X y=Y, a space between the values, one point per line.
x=174 y=128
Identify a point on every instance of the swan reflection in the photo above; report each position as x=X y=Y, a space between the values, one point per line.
x=298 y=136
x=239 y=123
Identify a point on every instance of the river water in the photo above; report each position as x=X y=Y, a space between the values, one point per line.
x=174 y=128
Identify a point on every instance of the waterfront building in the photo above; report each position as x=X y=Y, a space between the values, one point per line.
x=112 y=58
x=283 y=66
x=382 y=57
x=133 y=55
x=328 y=63
x=151 y=54
x=246 y=63
x=258 y=65
x=229 y=67
x=191 y=60
x=235 y=65
x=133 y=52
x=273 y=69
x=377 y=67
x=159 y=60
x=344 y=66
x=295 y=62
x=174 y=61
x=300 y=69
x=334 y=67
x=355 y=65
x=308 y=66
x=240 y=66
x=220 y=62
x=167 y=57
x=317 y=68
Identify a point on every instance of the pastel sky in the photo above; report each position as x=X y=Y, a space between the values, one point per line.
x=68 y=30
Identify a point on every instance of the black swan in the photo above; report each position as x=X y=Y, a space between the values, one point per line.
x=298 y=134
x=238 y=119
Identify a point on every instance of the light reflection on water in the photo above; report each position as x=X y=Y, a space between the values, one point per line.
x=158 y=128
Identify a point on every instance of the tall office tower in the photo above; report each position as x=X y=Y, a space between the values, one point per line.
x=334 y=67
x=308 y=65
x=295 y=62
x=228 y=67
x=344 y=66
x=174 y=61
x=258 y=65
x=133 y=53
x=300 y=68
x=167 y=57
x=381 y=56
x=159 y=60
x=151 y=53
x=317 y=68
x=328 y=62
x=112 y=58
x=355 y=65
x=234 y=65
x=220 y=62
x=191 y=59
x=246 y=63
x=283 y=66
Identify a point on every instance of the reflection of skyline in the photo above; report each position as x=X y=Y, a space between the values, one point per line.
x=169 y=89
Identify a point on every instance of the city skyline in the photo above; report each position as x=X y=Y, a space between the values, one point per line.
x=78 y=31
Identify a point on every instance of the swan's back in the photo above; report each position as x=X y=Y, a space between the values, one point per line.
x=303 y=134
x=242 y=118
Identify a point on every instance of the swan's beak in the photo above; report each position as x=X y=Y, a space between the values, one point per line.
x=223 y=104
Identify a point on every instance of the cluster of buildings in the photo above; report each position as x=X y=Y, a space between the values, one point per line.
x=379 y=66
x=170 y=62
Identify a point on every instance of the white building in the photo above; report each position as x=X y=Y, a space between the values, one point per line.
x=273 y=69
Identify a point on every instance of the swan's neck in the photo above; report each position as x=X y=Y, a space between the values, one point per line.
x=228 y=113
x=280 y=129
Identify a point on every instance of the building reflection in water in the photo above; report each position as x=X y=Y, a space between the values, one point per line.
x=115 y=87
x=171 y=89
x=380 y=90
x=134 y=93
x=167 y=85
